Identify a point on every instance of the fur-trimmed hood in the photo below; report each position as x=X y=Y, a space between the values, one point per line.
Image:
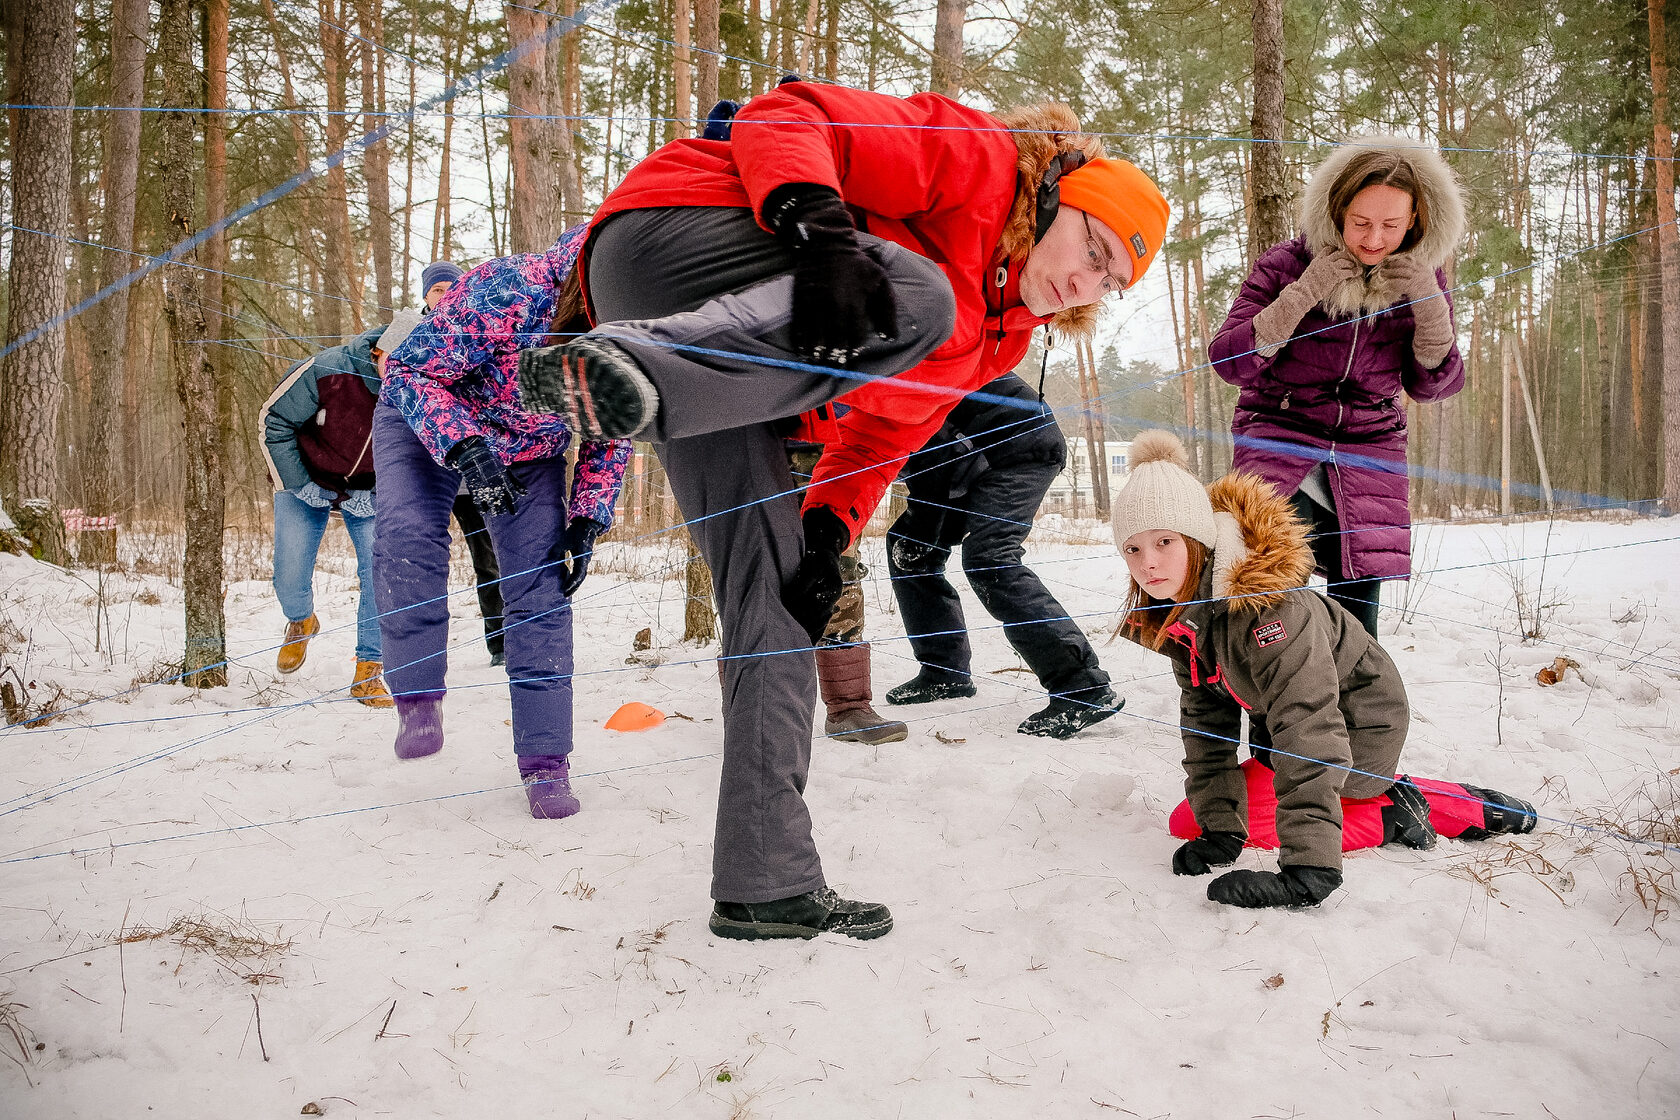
x=1442 y=197
x=1041 y=133
x=1261 y=550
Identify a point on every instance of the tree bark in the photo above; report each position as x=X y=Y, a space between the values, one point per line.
x=339 y=267
x=1270 y=185
x=328 y=314
x=205 y=657
x=376 y=157
x=44 y=36
x=567 y=84
x=681 y=73
x=699 y=620
x=706 y=47
x=534 y=214
x=108 y=320
x=948 y=47
x=1668 y=252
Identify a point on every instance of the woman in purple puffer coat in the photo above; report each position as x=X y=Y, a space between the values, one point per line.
x=1327 y=332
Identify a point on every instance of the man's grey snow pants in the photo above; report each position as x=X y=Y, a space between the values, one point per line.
x=702 y=298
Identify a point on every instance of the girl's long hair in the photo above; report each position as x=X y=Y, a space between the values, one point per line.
x=1147 y=619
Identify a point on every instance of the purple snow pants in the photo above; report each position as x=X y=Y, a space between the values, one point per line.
x=411 y=581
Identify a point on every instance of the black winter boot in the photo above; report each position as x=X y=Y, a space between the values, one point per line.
x=802 y=916
x=1500 y=813
x=928 y=686
x=1406 y=816
x=594 y=381
x=1073 y=712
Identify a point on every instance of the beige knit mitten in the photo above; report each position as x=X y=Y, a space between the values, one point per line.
x=1433 y=333
x=1274 y=324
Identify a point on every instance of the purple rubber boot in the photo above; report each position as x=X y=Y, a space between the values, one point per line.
x=548 y=786
x=419 y=724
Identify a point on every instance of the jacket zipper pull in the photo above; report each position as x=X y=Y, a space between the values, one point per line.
x=1285 y=405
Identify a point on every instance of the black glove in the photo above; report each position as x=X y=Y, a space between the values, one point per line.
x=579 y=543
x=1294 y=886
x=1207 y=851
x=840 y=294
x=492 y=489
x=815 y=587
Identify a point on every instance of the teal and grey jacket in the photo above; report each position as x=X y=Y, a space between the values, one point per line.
x=317 y=425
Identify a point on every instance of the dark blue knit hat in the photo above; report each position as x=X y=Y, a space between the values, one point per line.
x=438 y=272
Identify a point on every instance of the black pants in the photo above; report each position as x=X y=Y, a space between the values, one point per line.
x=486 y=574
x=1324 y=534
x=990 y=522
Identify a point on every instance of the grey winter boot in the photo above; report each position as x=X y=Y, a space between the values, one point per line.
x=843 y=677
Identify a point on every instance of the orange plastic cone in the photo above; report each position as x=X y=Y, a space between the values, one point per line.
x=635 y=716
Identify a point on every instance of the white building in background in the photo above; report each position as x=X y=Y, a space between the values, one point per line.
x=1077 y=475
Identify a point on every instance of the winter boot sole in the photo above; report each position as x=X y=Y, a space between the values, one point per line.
x=599 y=387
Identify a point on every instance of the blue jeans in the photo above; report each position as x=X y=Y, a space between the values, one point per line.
x=298 y=528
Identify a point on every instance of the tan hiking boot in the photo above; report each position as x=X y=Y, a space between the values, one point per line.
x=296 y=646
x=369 y=686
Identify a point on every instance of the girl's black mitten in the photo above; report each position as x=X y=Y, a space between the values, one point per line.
x=1293 y=887
x=492 y=489
x=579 y=542
x=841 y=296
x=1207 y=851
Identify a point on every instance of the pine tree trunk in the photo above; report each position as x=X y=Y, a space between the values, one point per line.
x=567 y=84
x=682 y=78
x=376 y=157
x=205 y=657
x=1269 y=183
x=339 y=266
x=44 y=32
x=1668 y=252
x=706 y=60
x=108 y=320
x=534 y=213
x=408 y=180
x=328 y=313
x=948 y=23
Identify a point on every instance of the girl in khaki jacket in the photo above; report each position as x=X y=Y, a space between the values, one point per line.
x=1218 y=585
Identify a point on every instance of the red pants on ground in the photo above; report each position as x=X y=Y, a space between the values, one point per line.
x=1451 y=811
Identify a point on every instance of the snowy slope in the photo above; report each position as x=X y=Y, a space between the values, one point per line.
x=416 y=946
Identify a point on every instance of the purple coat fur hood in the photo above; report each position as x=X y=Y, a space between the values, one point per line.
x=1333 y=393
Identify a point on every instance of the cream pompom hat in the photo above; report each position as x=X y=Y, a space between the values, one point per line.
x=1161 y=493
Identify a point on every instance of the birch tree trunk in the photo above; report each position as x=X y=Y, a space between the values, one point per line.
x=948 y=47
x=1668 y=251
x=108 y=320
x=204 y=660
x=1269 y=224
x=44 y=34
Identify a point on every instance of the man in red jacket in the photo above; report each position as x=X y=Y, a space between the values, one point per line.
x=837 y=239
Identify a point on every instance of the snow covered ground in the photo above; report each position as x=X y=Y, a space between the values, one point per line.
x=239 y=903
